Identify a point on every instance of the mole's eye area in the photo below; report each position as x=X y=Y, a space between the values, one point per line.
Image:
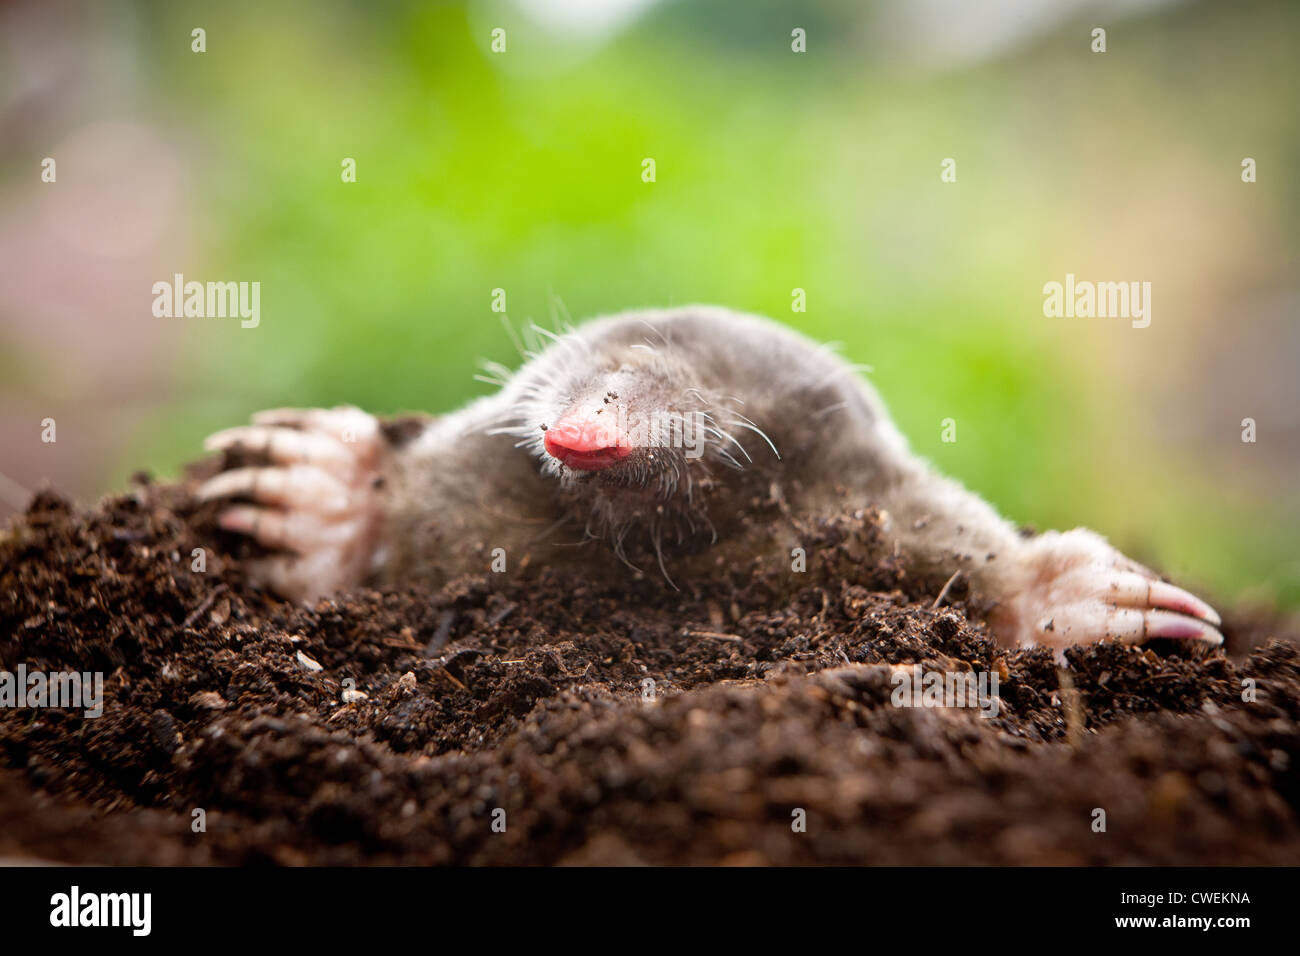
x=587 y=442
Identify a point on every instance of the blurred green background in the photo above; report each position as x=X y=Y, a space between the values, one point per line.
x=775 y=170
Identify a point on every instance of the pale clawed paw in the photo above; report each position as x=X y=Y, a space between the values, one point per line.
x=314 y=501
x=1074 y=588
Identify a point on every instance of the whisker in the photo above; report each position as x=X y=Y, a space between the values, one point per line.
x=514 y=336
x=496 y=368
x=854 y=367
x=659 y=553
x=721 y=433
x=657 y=332
x=727 y=457
x=558 y=340
x=699 y=396
x=557 y=306
x=746 y=423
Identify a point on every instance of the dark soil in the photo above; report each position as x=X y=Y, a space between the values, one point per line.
x=529 y=697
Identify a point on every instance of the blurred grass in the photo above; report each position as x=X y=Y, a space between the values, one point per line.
x=774 y=172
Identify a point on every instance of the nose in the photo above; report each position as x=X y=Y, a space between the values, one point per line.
x=587 y=442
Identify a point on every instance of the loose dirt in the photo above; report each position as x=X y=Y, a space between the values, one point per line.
x=719 y=724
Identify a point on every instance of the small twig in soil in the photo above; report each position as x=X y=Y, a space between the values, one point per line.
x=440 y=636
x=502 y=614
x=716 y=636
x=451 y=677
x=1072 y=705
x=204 y=605
x=409 y=644
x=943 y=595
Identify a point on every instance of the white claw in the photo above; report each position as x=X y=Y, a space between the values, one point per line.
x=1129 y=589
x=348 y=424
x=1164 y=594
x=1180 y=627
x=1078 y=589
x=299 y=486
x=317 y=501
x=285 y=446
x=301 y=531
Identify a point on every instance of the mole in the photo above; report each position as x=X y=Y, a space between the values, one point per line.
x=657 y=439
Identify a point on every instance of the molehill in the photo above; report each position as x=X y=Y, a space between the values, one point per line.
x=637 y=725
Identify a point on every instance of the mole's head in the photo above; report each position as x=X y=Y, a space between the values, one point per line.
x=636 y=427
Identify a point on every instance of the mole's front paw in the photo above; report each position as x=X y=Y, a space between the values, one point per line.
x=1074 y=588
x=316 y=499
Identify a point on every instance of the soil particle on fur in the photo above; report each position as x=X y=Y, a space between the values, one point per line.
x=736 y=721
